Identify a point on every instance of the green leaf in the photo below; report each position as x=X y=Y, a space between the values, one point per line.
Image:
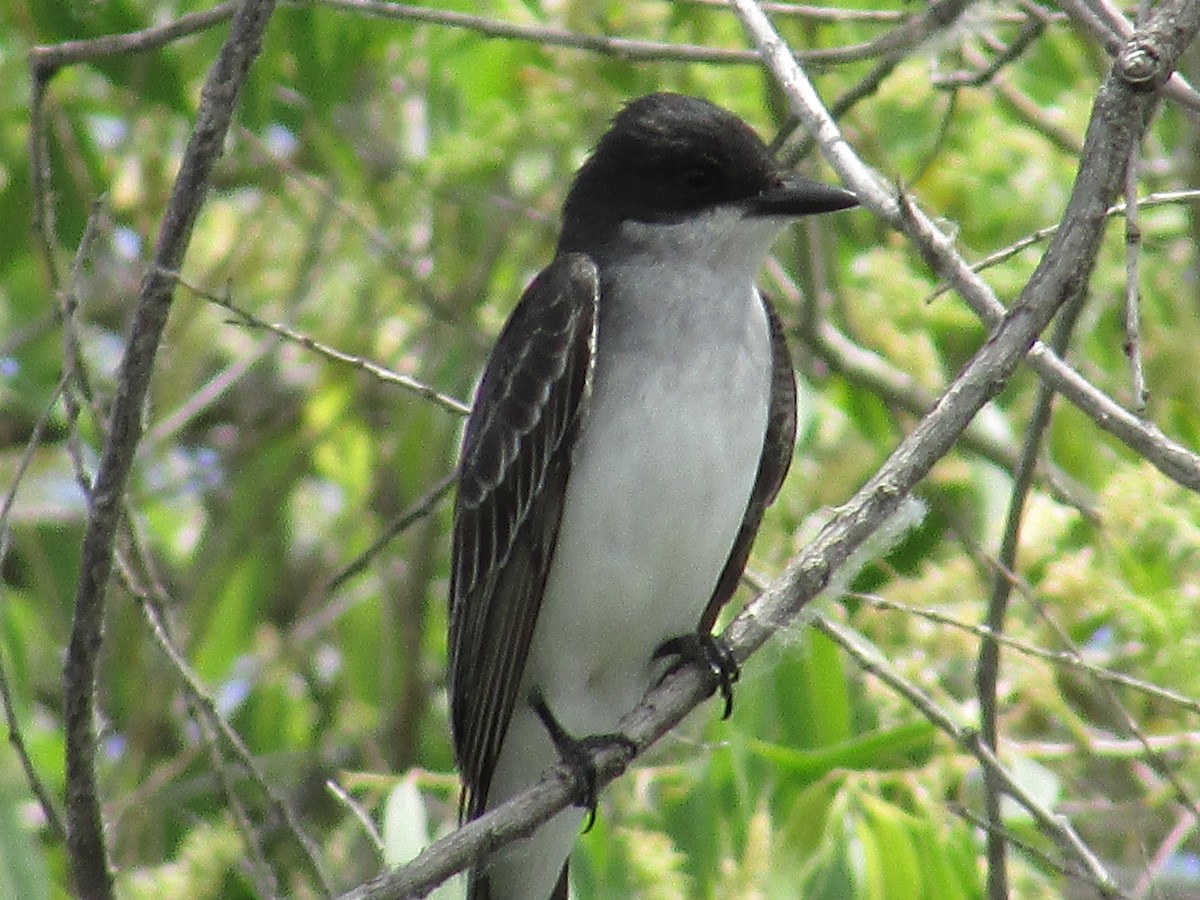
x=902 y=746
x=405 y=823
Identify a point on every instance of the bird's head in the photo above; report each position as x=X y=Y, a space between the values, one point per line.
x=669 y=160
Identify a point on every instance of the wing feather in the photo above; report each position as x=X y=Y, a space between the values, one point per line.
x=516 y=458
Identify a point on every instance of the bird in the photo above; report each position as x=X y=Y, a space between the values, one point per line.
x=633 y=421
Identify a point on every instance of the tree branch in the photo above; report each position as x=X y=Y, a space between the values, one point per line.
x=550 y=36
x=384 y=374
x=987 y=674
x=46 y=60
x=1112 y=30
x=86 y=848
x=7 y=701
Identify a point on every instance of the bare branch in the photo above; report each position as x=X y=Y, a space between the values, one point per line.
x=1133 y=300
x=446 y=402
x=1112 y=30
x=987 y=673
x=47 y=59
x=85 y=837
x=49 y=809
x=618 y=47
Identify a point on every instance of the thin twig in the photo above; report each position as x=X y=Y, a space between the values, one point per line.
x=256 y=866
x=445 y=401
x=816 y=13
x=73 y=361
x=870 y=660
x=1025 y=109
x=316 y=623
x=939 y=139
x=201 y=697
x=1067 y=867
x=142 y=581
x=42 y=211
x=54 y=821
x=988 y=666
x=358 y=812
x=153 y=600
x=1070 y=657
x=1133 y=322
x=1109 y=748
x=1183 y=829
x=549 y=36
x=1031 y=29
x=904 y=38
x=1161 y=198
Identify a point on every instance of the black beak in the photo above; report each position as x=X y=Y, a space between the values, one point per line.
x=796 y=196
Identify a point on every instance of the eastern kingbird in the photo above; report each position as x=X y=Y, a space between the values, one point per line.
x=634 y=420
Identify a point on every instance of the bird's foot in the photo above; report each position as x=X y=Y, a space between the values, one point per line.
x=577 y=754
x=710 y=651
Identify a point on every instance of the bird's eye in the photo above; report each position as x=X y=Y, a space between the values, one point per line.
x=699 y=179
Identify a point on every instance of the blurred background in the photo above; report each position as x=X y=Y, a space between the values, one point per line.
x=388 y=188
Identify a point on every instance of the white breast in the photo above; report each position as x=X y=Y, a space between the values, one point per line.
x=660 y=480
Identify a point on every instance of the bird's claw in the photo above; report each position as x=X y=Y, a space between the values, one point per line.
x=710 y=651
x=576 y=754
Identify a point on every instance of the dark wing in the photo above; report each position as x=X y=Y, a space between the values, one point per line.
x=516 y=457
x=772 y=466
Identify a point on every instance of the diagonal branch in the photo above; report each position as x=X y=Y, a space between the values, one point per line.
x=86 y=848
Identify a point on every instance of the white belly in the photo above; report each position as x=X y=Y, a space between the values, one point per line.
x=659 y=484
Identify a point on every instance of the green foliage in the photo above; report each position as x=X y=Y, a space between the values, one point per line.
x=388 y=190
x=205 y=867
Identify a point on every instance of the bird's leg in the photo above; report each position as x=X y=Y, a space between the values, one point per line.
x=577 y=753
x=710 y=651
